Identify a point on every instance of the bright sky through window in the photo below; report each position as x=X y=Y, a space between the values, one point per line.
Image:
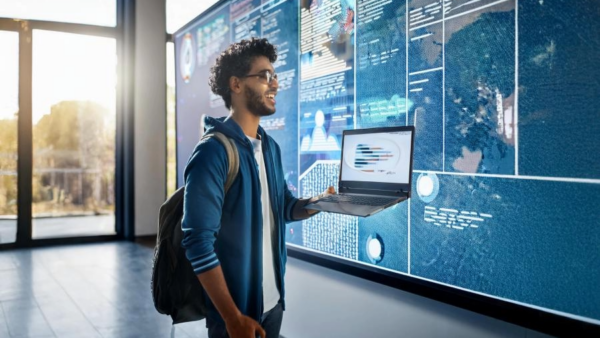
x=72 y=67
x=90 y=12
x=180 y=12
x=9 y=72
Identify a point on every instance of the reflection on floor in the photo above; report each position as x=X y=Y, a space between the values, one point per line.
x=94 y=290
x=54 y=227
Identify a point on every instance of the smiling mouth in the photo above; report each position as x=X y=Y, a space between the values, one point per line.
x=271 y=97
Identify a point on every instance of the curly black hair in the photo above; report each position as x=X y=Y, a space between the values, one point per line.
x=236 y=60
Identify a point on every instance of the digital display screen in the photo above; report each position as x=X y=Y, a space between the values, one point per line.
x=378 y=157
x=503 y=95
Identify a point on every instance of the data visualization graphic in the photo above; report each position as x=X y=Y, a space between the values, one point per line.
x=372 y=158
x=379 y=157
x=503 y=95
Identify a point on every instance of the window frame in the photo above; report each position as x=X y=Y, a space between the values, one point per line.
x=169 y=39
x=124 y=35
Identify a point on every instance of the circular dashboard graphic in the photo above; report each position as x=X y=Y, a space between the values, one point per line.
x=187 y=58
x=428 y=187
x=375 y=248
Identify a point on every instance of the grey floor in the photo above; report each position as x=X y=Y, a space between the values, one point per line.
x=92 y=290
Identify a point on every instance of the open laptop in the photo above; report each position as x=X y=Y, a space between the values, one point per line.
x=375 y=171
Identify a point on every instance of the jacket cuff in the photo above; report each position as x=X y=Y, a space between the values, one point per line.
x=300 y=213
x=204 y=264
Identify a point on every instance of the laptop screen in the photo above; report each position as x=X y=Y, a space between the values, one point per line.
x=383 y=157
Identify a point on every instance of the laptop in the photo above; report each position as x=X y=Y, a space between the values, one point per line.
x=375 y=171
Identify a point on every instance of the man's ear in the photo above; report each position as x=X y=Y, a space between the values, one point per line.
x=235 y=84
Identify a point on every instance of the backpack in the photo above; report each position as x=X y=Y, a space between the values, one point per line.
x=176 y=290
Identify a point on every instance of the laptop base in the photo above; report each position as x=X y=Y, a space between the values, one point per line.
x=351 y=209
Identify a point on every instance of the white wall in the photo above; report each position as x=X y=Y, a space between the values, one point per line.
x=150 y=100
x=324 y=303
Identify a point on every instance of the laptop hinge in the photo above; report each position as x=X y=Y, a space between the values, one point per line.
x=384 y=192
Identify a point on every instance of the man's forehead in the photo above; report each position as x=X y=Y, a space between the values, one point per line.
x=261 y=63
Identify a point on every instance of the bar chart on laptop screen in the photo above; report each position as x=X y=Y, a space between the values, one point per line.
x=503 y=97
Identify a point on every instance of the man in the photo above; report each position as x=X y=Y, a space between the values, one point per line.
x=236 y=242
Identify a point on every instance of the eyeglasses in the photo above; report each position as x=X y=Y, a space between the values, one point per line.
x=265 y=74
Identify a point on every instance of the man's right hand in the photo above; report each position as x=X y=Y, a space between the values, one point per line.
x=244 y=327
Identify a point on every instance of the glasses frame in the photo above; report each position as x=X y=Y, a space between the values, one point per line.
x=265 y=74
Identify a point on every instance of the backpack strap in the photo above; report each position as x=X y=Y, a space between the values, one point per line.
x=233 y=157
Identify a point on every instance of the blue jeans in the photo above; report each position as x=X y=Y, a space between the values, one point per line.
x=270 y=322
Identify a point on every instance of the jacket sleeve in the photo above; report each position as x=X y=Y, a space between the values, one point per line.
x=294 y=207
x=205 y=176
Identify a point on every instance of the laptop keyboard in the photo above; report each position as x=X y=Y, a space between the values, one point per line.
x=358 y=200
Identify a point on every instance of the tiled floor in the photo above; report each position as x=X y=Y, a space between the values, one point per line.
x=93 y=290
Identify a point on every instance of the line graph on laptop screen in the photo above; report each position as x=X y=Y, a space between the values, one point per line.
x=503 y=97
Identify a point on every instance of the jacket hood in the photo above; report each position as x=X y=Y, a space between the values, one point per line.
x=227 y=126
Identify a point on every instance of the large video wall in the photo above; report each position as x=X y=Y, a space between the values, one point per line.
x=504 y=96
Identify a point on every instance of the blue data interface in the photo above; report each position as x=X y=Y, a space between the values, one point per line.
x=503 y=95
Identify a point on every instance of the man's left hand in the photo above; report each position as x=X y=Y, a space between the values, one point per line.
x=328 y=191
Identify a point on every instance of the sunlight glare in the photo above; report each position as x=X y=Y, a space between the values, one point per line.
x=9 y=74
x=72 y=67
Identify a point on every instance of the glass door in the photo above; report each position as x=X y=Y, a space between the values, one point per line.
x=9 y=113
x=65 y=164
x=74 y=125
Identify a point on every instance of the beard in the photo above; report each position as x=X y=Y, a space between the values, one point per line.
x=255 y=102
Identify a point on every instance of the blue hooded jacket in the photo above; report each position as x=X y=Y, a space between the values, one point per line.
x=227 y=229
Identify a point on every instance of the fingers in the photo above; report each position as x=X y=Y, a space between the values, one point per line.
x=261 y=331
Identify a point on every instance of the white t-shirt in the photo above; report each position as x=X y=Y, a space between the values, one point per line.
x=270 y=292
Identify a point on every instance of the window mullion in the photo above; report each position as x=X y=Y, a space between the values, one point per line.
x=25 y=148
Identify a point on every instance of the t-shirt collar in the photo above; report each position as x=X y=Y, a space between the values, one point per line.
x=256 y=143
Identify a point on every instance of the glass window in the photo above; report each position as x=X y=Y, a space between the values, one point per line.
x=171 y=143
x=91 y=12
x=180 y=12
x=9 y=109
x=74 y=125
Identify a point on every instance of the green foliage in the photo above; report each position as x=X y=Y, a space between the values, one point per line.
x=74 y=160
